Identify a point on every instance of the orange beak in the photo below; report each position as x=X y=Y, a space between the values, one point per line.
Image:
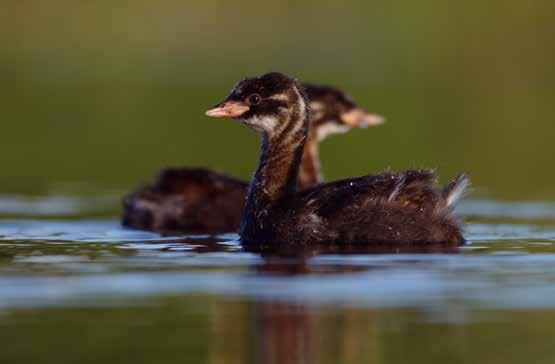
x=228 y=109
x=361 y=118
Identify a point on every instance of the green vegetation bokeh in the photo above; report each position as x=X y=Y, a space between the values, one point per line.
x=102 y=94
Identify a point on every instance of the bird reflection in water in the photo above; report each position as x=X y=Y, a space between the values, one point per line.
x=292 y=331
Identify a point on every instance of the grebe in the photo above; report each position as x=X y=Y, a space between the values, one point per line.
x=386 y=208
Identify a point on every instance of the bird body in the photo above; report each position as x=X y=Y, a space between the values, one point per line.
x=389 y=207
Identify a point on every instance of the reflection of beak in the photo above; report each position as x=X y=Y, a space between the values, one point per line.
x=228 y=109
x=361 y=118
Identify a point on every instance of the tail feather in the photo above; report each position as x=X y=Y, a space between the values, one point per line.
x=455 y=190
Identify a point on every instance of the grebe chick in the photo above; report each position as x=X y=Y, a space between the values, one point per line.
x=386 y=208
x=198 y=200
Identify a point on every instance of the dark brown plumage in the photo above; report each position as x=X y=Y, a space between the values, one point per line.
x=386 y=208
x=198 y=200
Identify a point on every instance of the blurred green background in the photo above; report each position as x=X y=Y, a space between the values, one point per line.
x=100 y=95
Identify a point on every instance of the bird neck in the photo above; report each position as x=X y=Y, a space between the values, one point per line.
x=277 y=174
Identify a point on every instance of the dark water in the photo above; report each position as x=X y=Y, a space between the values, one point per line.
x=87 y=290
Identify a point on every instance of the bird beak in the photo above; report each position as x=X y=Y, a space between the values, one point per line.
x=228 y=109
x=361 y=118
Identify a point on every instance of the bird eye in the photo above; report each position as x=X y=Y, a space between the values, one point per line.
x=254 y=99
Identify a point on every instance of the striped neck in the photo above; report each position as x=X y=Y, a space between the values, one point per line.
x=277 y=174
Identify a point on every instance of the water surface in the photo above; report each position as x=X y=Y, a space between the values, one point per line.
x=86 y=289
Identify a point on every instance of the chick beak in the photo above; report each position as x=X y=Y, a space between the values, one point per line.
x=228 y=109
x=361 y=118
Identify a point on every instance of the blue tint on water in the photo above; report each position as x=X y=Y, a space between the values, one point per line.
x=509 y=263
